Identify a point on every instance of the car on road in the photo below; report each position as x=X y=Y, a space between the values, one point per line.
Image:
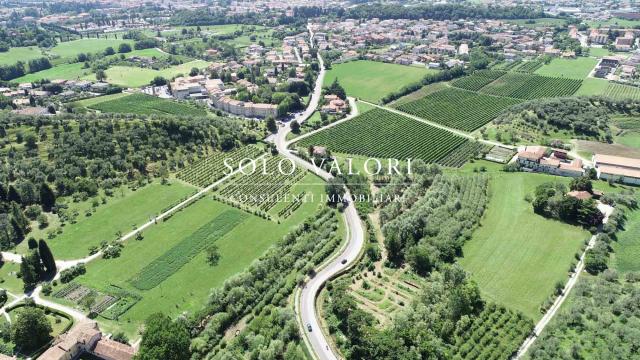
x=344 y=261
x=309 y=327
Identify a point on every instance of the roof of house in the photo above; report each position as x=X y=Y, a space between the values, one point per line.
x=619 y=171
x=616 y=160
x=113 y=350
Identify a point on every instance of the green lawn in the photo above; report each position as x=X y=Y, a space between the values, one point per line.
x=371 y=80
x=120 y=213
x=69 y=49
x=188 y=288
x=517 y=256
x=591 y=86
x=64 y=71
x=532 y=23
x=626 y=251
x=577 y=68
x=616 y=22
x=129 y=76
x=23 y=54
x=9 y=279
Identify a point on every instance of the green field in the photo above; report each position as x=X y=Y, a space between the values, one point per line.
x=626 y=251
x=532 y=23
x=120 y=213
x=591 y=86
x=129 y=76
x=517 y=256
x=371 y=80
x=144 y=104
x=99 y=99
x=577 y=68
x=73 y=71
x=69 y=49
x=187 y=289
x=23 y=54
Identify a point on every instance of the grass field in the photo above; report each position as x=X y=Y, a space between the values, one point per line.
x=517 y=256
x=591 y=86
x=129 y=76
x=371 y=80
x=120 y=213
x=187 y=289
x=23 y=54
x=144 y=104
x=9 y=279
x=577 y=68
x=532 y=23
x=64 y=71
x=626 y=251
x=69 y=49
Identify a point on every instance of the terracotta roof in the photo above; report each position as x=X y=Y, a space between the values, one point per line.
x=616 y=161
x=619 y=171
x=111 y=349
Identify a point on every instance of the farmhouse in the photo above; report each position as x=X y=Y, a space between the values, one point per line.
x=551 y=161
x=244 y=108
x=617 y=168
x=86 y=338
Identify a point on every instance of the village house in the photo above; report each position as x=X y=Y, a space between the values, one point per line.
x=86 y=338
x=551 y=161
x=195 y=87
x=334 y=105
x=244 y=108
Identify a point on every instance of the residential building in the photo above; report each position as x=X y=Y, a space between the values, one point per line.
x=550 y=161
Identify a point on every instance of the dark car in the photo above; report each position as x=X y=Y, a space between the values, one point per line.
x=344 y=261
x=309 y=327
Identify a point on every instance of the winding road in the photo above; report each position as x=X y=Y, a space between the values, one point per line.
x=305 y=299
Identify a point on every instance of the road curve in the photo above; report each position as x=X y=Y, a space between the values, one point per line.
x=306 y=298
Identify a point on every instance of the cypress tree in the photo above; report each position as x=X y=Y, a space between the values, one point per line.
x=18 y=231
x=47 y=197
x=32 y=243
x=28 y=274
x=47 y=257
x=13 y=195
x=3 y=192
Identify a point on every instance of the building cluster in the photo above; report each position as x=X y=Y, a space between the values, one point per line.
x=86 y=339
x=558 y=162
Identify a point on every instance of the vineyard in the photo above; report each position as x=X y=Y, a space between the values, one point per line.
x=210 y=169
x=496 y=333
x=528 y=86
x=460 y=109
x=478 y=80
x=383 y=134
x=262 y=189
x=621 y=92
x=530 y=66
x=144 y=104
x=459 y=156
x=175 y=258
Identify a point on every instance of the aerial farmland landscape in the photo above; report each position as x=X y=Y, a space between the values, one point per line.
x=319 y=179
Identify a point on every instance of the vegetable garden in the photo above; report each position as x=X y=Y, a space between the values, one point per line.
x=460 y=109
x=211 y=169
x=383 y=134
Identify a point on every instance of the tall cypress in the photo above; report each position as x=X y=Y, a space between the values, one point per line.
x=14 y=195
x=47 y=197
x=47 y=257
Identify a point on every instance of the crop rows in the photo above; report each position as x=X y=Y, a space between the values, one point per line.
x=464 y=152
x=528 y=86
x=175 y=258
x=621 y=92
x=478 y=80
x=512 y=65
x=126 y=300
x=147 y=105
x=210 y=169
x=263 y=189
x=291 y=206
x=384 y=134
x=460 y=109
x=529 y=66
x=496 y=333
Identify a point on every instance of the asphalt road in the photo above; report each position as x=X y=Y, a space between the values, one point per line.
x=307 y=296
